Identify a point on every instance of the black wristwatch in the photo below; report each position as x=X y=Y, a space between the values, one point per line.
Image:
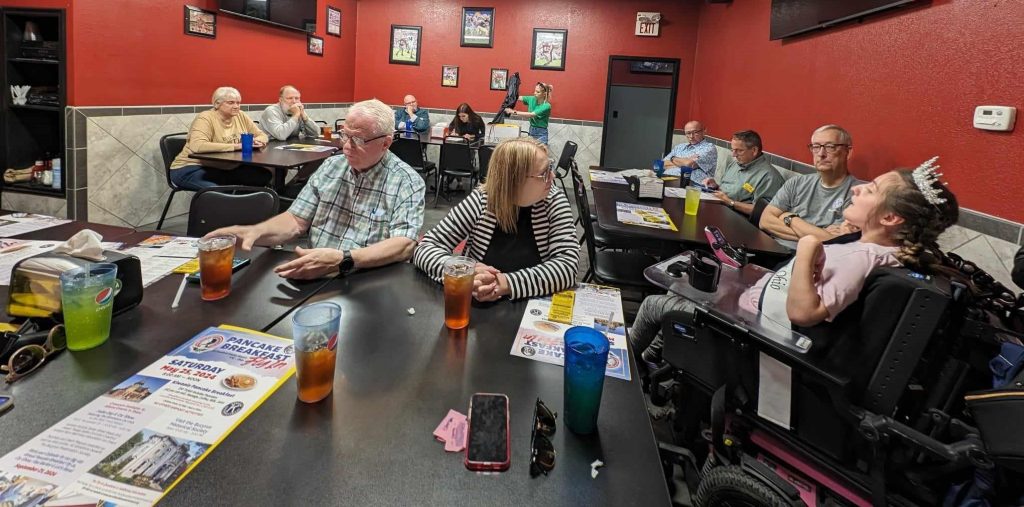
x=788 y=219
x=346 y=264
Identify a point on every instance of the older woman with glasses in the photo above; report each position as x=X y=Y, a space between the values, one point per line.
x=517 y=226
x=218 y=130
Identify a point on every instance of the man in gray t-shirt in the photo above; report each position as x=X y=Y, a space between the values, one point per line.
x=813 y=204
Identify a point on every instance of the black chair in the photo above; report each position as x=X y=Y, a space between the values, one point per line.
x=216 y=207
x=338 y=123
x=170 y=146
x=410 y=151
x=456 y=163
x=320 y=122
x=565 y=161
x=621 y=269
x=755 y=214
x=607 y=240
x=484 y=157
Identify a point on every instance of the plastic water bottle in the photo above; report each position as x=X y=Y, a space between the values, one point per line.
x=56 y=174
x=408 y=126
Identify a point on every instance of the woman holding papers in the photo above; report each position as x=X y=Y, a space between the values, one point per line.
x=466 y=124
x=218 y=130
x=517 y=225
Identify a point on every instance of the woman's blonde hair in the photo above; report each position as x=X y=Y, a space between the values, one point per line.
x=547 y=91
x=507 y=172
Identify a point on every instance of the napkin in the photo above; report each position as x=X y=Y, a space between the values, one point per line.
x=85 y=244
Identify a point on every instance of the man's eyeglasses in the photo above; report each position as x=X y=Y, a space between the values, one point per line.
x=546 y=174
x=29 y=357
x=358 y=142
x=692 y=132
x=542 y=453
x=829 y=148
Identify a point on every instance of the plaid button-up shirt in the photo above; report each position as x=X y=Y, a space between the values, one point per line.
x=349 y=210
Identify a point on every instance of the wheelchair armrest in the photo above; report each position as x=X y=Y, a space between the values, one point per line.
x=879 y=428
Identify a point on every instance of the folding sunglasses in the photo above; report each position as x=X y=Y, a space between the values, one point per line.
x=28 y=358
x=542 y=453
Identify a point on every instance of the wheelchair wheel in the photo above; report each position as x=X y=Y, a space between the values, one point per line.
x=730 y=486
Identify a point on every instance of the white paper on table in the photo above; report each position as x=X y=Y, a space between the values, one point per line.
x=680 y=193
x=21 y=223
x=606 y=177
x=774 y=390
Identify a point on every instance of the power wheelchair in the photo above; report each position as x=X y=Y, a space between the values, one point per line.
x=866 y=410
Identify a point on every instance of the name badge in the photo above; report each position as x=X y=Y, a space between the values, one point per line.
x=748 y=187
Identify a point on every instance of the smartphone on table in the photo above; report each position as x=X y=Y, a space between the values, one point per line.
x=6 y=402
x=487 y=447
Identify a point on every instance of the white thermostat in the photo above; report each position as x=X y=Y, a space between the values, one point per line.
x=994 y=118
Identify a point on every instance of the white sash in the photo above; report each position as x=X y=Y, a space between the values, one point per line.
x=773 y=298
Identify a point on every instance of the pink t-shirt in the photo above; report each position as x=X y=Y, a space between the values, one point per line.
x=846 y=268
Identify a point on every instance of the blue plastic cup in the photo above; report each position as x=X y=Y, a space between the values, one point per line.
x=659 y=167
x=246 y=145
x=586 y=356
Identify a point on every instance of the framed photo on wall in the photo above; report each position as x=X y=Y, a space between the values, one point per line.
x=499 y=79
x=333 y=21
x=405 y=44
x=548 y=49
x=200 y=22
x=450 y=76
x=314 y=45
x=477 y=27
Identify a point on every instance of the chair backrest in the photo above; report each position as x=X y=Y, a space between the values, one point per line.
x=170 y=146
x=409 y=151
x=321 y=122
x=755 y=214
x=579 y=188
x=216 y=207
x=338 y=123
x=502 y=131
x=567 y=157
x=484 y=155
x=456 y=156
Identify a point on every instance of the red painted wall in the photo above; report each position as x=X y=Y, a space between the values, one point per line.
x=128 y=52
x=905 y=85
x=597 y=29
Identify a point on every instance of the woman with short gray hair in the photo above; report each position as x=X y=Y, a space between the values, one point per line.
x=217 y=130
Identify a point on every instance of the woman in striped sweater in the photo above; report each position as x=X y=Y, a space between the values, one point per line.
x=517 y=225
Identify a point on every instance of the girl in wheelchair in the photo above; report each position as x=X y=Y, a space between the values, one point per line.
x=900 y=214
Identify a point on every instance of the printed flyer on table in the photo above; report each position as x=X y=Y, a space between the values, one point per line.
x=546 y=320
x=131 y=445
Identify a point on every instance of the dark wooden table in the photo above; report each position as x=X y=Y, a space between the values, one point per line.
x=736 y=228
x=139 y=336
x=370 y=442
x=278 y=161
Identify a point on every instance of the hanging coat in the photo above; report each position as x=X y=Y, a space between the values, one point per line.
x=510 y=99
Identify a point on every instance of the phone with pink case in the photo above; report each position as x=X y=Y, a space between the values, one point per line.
x=722 y=249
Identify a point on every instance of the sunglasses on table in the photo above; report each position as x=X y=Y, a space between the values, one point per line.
x=542 y=453
x=27 y=358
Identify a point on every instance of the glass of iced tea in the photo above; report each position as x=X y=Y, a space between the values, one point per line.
x=458 y=290
x=315 y=332
x=215 y=256
x=326 y=132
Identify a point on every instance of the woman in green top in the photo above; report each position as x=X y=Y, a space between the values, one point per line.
x=539 y=111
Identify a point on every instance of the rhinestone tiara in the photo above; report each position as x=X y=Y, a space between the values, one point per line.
x=926 y=177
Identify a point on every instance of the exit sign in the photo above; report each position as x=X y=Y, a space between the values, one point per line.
x=648 y=23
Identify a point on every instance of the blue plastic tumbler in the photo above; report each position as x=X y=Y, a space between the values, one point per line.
x=586 y=355
x=246 y=145
x=659 y=167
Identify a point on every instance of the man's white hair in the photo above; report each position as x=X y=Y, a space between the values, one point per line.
x=382 y=117
x=225 y=93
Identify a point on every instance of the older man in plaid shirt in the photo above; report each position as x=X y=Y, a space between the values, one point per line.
x=362 y=209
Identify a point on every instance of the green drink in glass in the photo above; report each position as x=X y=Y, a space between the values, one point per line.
x=87 y=300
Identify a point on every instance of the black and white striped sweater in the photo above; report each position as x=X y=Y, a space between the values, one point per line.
x=553 y=230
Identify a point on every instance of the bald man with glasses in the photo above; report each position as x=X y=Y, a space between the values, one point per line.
x=411 y=113
x=697 y=153
x=813 y=204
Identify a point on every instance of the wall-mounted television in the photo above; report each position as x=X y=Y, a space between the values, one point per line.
x=293 y=14
x=795 y=17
